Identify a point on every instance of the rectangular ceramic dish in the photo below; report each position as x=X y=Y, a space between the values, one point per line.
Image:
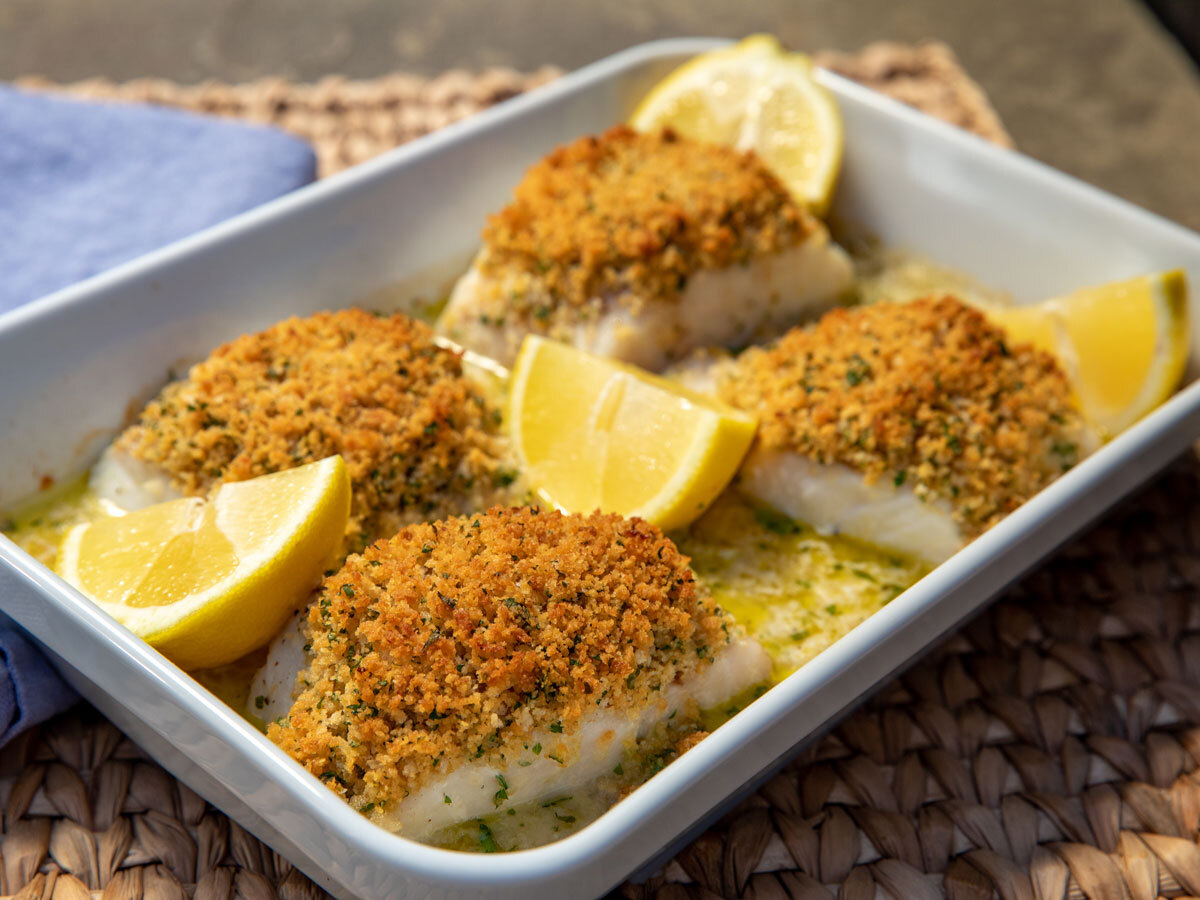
x=73 y=365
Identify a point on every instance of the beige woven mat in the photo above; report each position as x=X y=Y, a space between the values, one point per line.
x=351 y=121
x=1048 y=751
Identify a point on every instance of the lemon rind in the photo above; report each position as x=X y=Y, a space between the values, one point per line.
x=1169 y=291
x=723 y=433
x=179 y=629
x=815 y=191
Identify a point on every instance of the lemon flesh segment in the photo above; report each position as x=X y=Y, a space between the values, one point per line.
x=593 y=434
x=1124 y=345
x=755 y=96
x=207 y=581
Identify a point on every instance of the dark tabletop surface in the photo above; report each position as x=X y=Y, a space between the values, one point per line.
x=1094 y=87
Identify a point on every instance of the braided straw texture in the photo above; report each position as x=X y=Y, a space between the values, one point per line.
x=1046 y=751
x=348 y=122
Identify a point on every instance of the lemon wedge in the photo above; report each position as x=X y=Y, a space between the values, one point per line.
x=207 y=581
x=755 y=96
x=593 y=433
x=1124 y=345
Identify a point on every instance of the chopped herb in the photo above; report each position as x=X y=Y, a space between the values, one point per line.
x=657 y=762
x=857 y=371
x=556 y=727
x=775 y=522
x=487 y=841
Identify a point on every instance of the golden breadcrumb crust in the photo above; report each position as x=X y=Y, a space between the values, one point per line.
x=416 y=435
x=926 y=393
x=458 y=639
x=634 y=216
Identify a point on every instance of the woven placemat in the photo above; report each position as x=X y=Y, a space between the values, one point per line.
x=348 y=121
x=1048 y=750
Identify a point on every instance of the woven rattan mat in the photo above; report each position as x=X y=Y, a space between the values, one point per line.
x=351 y=121
x=1048 y=750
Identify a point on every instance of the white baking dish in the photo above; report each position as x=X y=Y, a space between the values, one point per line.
x=72 y=365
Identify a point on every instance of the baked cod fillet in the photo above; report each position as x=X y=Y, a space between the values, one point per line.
x=417 y=434
x=642 y=247
x=913 y=426
x=484 y=662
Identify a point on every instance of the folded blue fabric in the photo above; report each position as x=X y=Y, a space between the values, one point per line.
x=30 y=690
x=83 y=187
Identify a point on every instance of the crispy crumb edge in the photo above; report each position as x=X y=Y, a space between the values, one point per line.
x=926 y=393
x=458 y=640
x=634 y=216
x=416 y=434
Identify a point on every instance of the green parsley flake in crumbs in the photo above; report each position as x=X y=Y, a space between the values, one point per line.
x=643 y=247
x=417 y=435
x=500 y=659
x=913 y=426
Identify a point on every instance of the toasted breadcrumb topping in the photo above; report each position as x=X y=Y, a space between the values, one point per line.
x=925 y=393
x=458 y=640
x=633 y=216
x=416 y=435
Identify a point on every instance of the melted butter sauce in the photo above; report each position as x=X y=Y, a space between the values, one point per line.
x=39 y=528
x=794 y=590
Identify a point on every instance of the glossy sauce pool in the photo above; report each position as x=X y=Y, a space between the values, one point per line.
x=794 y=590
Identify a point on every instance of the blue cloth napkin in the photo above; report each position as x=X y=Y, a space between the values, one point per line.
x=30 y=690
x=85 y=186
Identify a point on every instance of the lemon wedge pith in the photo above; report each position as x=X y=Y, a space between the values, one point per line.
x=755 y=96
x=1124 y=345
x=207 y=581
x=597 y=434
